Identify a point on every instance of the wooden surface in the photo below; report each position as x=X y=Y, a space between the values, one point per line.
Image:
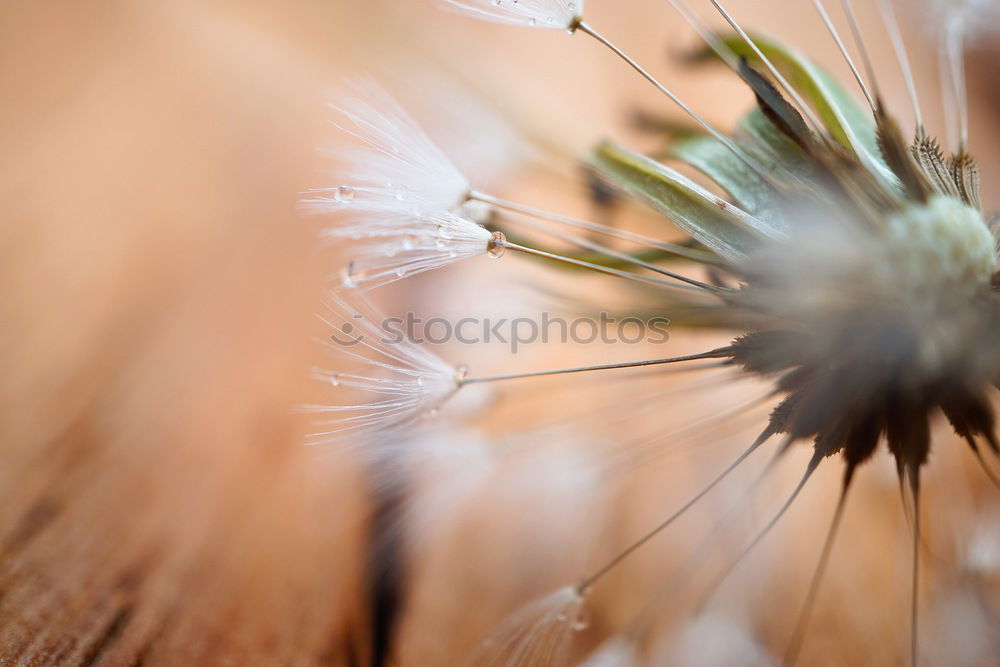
x=156 y=503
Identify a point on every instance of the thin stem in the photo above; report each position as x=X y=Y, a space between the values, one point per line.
x=671 y=248
x=625 y=257
x=914 y=598
x=843 y=51
x=791 y=655
x=902 y=56
x=805 y=108
x=810 y=469
x=589 y=582
x=645 y=451
x=684 y=574
x=608 y=251
x=587 y=29
x=947 y=85
x=720 y=48
x=593 y=267
x=954 y=48
x=859 y=40
x=714 y=354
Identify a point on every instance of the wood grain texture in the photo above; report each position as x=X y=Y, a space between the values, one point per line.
x=157 y=505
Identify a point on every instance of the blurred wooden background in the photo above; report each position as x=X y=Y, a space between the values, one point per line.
x=158 y=289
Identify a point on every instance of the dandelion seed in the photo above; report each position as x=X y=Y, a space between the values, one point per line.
x=396 y=168
x=557 y=14
x=398 y=383
x=539 y=634
x=391 y=247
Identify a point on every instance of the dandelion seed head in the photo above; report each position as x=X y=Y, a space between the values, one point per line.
x=917 y=290
x=942 y=245
x=924 y=256
x=855 y=266
x=557 y=14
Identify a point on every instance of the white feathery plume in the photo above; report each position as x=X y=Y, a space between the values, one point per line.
x=970 y=15
x=955 y=22
x=468 y=125
x=436 y=471
x=396 y=168
x=538 y=634
x=402 y=383
x=395 y=246
x=714 y=640
x=982 y=555
x=557 y=14
x=618 y=651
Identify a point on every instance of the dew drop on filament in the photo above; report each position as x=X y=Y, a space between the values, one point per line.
x=343 y=194
x=497 y=245
x=347 y=275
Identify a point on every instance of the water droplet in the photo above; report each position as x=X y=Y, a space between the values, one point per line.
x=335 y=379
x=343 y=194
x=347 y=275
x=400 y=272
x=497 y=246
x=420 y=380
x=461 y=372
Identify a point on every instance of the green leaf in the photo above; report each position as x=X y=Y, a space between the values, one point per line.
x=757 y=132
x=711 y=157
x=846 y=122
x=716 y=223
